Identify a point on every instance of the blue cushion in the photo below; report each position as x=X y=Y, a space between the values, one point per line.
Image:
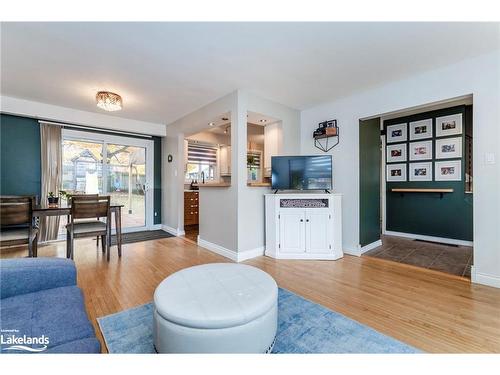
x=28 y=275
x=57 y=313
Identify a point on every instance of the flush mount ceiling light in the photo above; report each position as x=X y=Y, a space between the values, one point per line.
x=109 y=101
x=211 y=124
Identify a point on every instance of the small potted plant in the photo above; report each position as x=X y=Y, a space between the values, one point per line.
x=63 y=194
x=53 y=199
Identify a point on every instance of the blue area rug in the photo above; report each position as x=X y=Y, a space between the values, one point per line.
x=303 y=327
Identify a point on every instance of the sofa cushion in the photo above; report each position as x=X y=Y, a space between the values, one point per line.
x=29 y=275
x=57 y=313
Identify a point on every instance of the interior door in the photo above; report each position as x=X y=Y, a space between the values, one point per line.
x=318 y=232
x=292 y=230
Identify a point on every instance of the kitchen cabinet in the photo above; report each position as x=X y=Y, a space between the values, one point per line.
x=225 y=160
x=191 y=208
x=273 y=140
x=303 y=226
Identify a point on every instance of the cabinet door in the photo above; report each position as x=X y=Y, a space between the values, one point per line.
x=292 y=230
x=225 y=160
x=318 y=232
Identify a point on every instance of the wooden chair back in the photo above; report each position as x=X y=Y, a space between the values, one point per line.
x=85 y=207
x=81 y=197
x=16 y=210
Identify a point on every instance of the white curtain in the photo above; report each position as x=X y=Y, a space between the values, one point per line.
x=51 y=151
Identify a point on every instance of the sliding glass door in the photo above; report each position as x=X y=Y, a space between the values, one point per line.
x=121 y=167
x=126 y=182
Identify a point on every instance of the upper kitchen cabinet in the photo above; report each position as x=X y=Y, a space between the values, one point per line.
x=225 y=160
x=273 y=143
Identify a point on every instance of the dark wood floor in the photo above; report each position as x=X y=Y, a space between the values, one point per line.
x=456 y=260
x=430 y=310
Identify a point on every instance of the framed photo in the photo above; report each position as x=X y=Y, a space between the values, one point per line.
x=420 y=171
x=396 y=172
x=449 y=125
x=448 y=148
x=421 y=129
x=396 y=133
x=396 y=153
x=421 y=150
x=448 y=170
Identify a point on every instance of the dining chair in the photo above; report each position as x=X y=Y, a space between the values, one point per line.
x=84 y=196
x=17 y=223
x=86 y=208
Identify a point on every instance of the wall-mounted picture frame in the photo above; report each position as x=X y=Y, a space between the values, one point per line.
x=420 y=150
x=448 y=170
x=396 y=153
x=397 y=133
x=420 y=171
x=449 y=148
x=396 y=172
x=421 y=129
x=449 y=125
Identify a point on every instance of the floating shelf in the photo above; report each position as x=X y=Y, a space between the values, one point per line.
x=421 y=190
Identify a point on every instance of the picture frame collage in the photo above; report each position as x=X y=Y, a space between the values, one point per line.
x=418 y=151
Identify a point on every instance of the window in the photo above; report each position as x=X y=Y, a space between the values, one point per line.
x=201 y=159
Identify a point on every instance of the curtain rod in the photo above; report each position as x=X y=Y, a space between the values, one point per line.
x=93 y=128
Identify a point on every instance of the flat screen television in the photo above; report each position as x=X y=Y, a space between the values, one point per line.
x=301 y=172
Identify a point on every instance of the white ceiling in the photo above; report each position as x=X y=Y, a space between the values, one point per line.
x=166 y=70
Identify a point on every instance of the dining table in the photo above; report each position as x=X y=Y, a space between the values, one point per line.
x=62 y=209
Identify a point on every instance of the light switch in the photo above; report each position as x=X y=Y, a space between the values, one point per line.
x=489 y=158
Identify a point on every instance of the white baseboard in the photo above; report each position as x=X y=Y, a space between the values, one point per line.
x=484 y=278
x=218 y=249
x=176 y=232
x=450 y=241
x=349 y=251
x=231 y=254
x=157 y=227
x=249 y=254
x=370 y=246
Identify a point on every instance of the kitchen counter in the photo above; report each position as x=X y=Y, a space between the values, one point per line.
x=258 y=184
x=213 y=184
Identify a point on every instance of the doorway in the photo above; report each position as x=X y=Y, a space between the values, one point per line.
x=421 y=213
x=118 y=166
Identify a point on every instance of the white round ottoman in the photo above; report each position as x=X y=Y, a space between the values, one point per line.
x=216 y=308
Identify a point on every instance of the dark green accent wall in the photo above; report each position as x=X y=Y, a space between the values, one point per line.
x=369 y=181
x=426 y=213
x=20 y=172
x=20 y=168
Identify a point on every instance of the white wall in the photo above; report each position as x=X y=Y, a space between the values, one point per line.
x=231 y=218
x=480 y=77
x=56 y=113
x=217 y=214
x=251 y=218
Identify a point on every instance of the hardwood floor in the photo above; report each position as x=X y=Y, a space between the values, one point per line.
x=432 y=311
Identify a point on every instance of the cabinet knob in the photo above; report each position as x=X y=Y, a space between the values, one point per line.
x=307 y=220
x=301 y=220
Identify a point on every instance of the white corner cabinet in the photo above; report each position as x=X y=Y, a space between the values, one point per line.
x=304 y=226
